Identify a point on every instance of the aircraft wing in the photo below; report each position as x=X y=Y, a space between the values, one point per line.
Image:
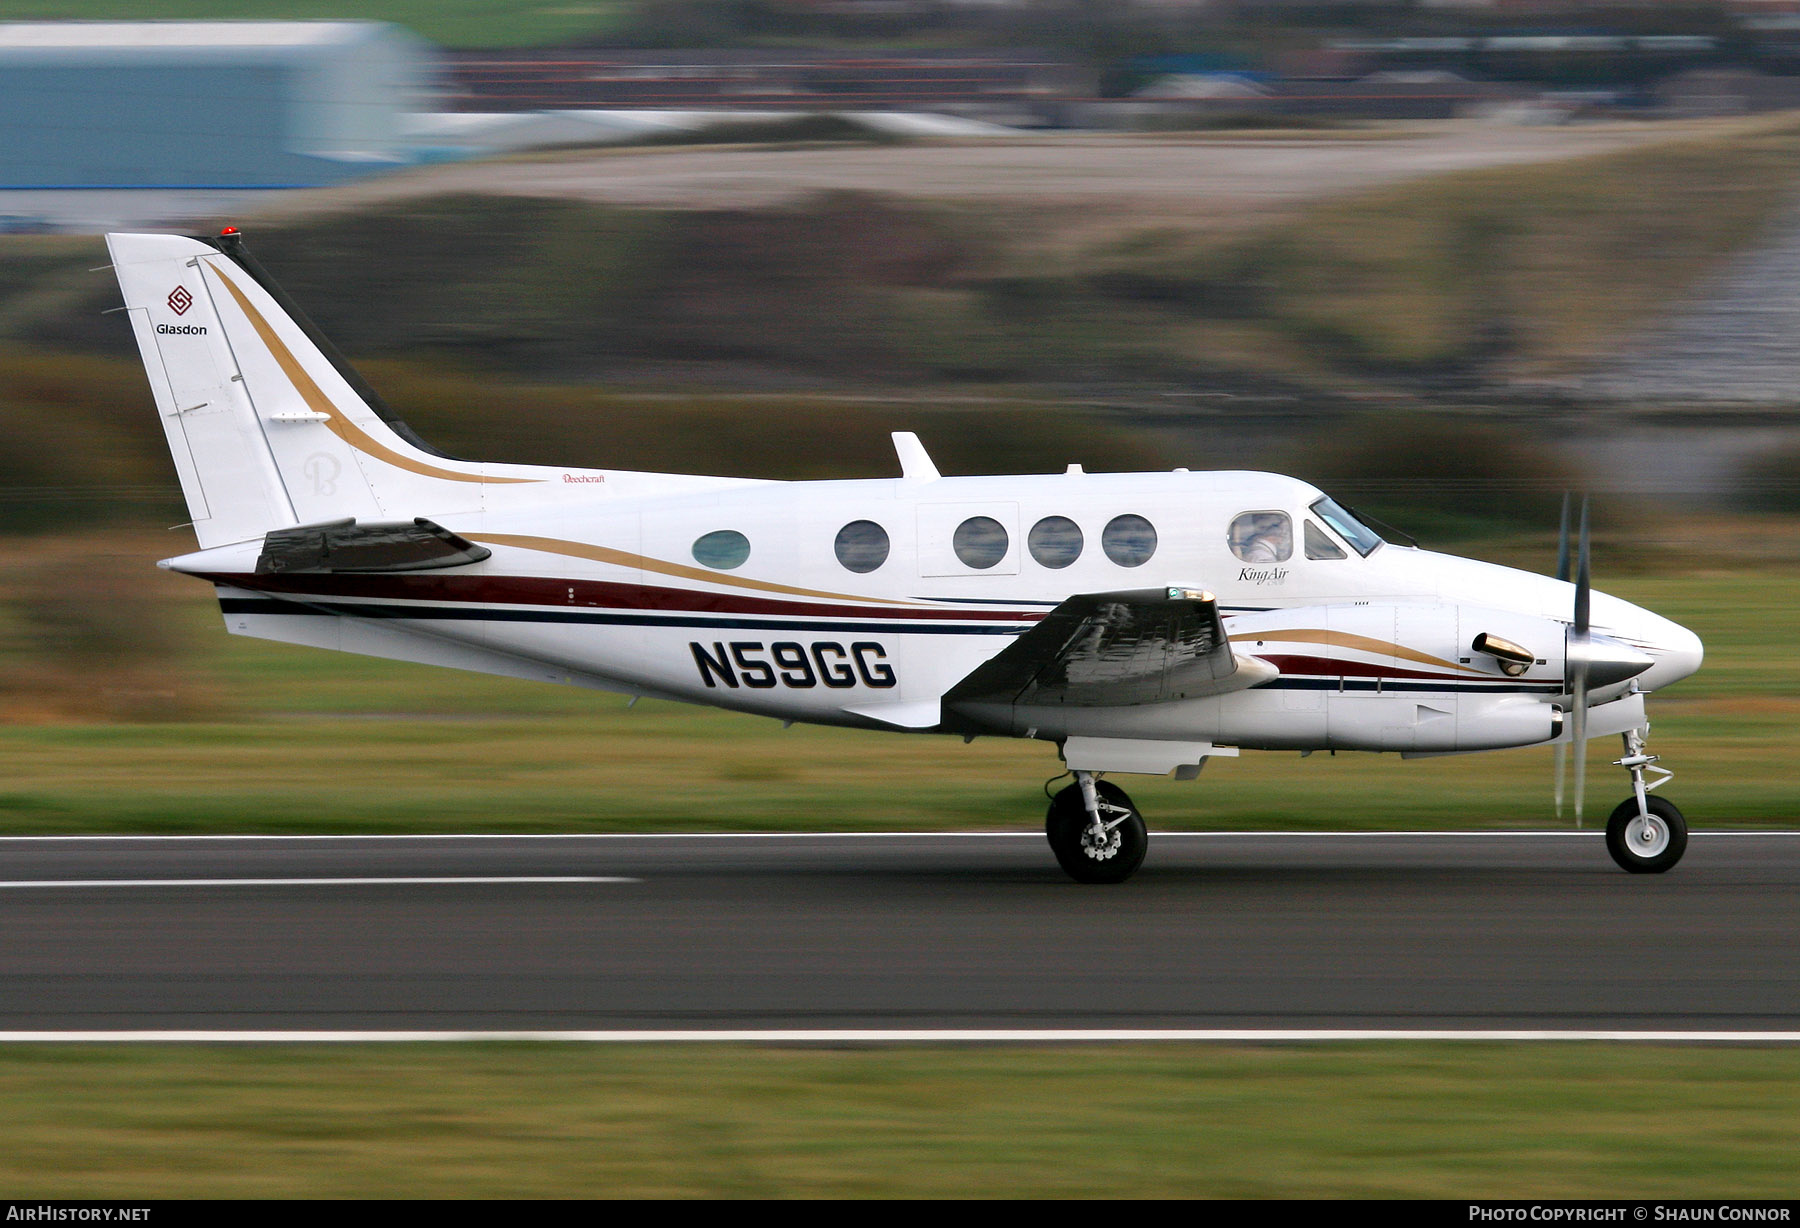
x=1095 y=650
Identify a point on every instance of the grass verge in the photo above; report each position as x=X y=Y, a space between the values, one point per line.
x=1411 y=1120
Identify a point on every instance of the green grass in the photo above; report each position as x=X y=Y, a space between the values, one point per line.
x=453 y=23
x=1434 y=1121
x=294 y=739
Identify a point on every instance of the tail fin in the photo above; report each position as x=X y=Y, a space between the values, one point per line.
x=265 y=431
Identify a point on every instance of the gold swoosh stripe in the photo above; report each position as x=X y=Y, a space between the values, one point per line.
x=1343 y=639
x=337 y=423
x=624 y=558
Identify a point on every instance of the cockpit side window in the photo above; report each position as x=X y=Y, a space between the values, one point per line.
x=1262 y=537
x=1319 y=544
x=1361 y=537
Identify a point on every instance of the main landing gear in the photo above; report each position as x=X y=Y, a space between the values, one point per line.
x=1645 y=835
x=1098 y=836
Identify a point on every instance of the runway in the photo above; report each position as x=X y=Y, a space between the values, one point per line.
x=1220 y=931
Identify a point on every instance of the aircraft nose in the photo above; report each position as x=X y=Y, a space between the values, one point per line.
x=1678 y=653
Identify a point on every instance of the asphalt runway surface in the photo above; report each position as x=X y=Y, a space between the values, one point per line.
x=944 y=931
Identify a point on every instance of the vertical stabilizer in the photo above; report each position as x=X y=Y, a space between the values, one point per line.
x=227 y=472
x=265 y=431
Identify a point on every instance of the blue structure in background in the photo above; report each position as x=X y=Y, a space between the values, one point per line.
x=207 y=104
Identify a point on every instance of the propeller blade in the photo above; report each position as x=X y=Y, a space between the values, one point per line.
x=1579 y=738
x=1582 y=586
x=1562 y=543
x=1562 y=573
x=1580 y=657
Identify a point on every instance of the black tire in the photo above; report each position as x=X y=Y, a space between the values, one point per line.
x=1068 y=819
x=1649 y=852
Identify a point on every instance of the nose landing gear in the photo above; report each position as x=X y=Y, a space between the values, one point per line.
x=1098 y=836
x=1645 y=835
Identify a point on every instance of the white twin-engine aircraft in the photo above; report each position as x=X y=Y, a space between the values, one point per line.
x=1141 y=622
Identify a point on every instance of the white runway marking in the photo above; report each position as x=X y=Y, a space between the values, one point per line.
x=909 y=1036
x=296 y=882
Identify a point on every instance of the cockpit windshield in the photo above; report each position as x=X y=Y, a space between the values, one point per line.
x=1361 y=537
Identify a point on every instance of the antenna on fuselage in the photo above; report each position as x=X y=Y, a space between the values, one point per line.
x=915 y=461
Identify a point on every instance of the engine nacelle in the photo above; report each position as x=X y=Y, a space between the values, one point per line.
x=1409 y=677
x=1438 y=723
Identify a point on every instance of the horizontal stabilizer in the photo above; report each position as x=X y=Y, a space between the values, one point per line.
x=346 y=546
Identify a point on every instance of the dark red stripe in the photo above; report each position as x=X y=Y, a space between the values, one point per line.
x=1333 y=668
x=582 y=594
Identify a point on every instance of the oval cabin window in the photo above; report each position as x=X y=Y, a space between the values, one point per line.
x=980 y=542
x=1055 y=541
x=1129 y=540
x=861 y=546
x=723 y=549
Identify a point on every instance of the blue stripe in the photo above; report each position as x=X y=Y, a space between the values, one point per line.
x=250 y=605
x=988 y=601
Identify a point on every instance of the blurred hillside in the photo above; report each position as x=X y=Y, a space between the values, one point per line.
x=786 y=340
x=1471 y=278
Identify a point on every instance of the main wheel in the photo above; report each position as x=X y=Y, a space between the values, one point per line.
x=1646 y=844
x=1086 y=860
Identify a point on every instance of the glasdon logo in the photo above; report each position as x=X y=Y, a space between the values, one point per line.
x=190 y=330
x=180 y=300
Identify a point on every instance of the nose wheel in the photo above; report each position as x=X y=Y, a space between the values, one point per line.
x=1646 y=841
x=1098 y=836
x=1645 y=835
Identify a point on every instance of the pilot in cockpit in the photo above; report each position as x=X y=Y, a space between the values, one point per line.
x=1262 y=537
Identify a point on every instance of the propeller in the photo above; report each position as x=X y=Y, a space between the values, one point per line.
x=1579 y=654
x=1592 y=661
x=1562 y=573
x=1562 y=543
